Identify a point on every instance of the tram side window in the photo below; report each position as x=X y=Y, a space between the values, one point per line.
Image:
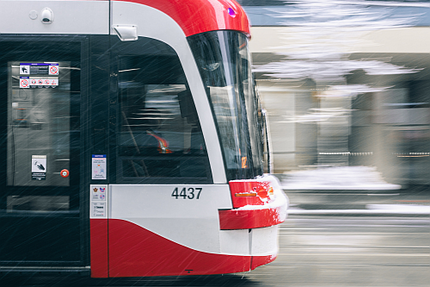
x=160 y=135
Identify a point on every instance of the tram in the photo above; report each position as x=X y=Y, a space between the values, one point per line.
x=131 y=140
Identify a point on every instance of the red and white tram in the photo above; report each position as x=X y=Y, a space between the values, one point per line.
x=131 y=140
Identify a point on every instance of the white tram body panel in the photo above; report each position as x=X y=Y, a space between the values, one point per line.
x=176 y=219
x=70 y=17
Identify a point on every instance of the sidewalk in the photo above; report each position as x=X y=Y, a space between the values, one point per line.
x=369 y=210
x=352 y=190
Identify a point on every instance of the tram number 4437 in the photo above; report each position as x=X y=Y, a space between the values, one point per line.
x=187 y=193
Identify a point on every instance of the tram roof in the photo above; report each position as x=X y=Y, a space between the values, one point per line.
x=198 y=16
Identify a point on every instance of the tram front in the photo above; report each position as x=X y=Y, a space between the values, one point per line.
x=259 y=204
x=186 y=193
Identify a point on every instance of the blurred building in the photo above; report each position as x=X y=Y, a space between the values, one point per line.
x=388 y=129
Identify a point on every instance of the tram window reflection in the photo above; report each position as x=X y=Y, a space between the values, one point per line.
x=160 y=135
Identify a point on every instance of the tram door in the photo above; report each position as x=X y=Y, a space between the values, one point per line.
x=41 y=220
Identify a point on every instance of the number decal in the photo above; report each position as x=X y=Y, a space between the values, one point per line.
x=190 y=193
x=183 y=193
x=175 y=193
x=199 y=190
x=187 y=193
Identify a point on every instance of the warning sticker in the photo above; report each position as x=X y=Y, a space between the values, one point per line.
x=39 y=69
x=98 y=201
x=99 y=193
x=98 y=209
x=24 y=69
x=24 y=82
x=38 y=167
x=99 y=166
x=42 y=82
x=53 y=70
x=54 y=82
x=39 y=75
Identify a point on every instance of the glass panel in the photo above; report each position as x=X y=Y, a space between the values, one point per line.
x=251 y=103
x=38 y=123
x=40 y=218
x=37 y=203
x=160 y=133
x=224 y=64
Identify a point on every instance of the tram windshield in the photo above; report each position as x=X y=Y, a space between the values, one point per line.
x=224 y=62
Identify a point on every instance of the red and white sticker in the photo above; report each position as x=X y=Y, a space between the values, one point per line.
x=43 y=82
x=64 y=173
x=53 y=70
x=24 y=83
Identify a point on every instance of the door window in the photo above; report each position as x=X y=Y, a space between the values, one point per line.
x=38 y=128
x=38 y=124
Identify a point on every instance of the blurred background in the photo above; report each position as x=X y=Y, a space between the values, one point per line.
x=346 y=88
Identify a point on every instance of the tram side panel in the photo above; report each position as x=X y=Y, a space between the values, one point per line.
x=151 y=230
x=169 y=230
